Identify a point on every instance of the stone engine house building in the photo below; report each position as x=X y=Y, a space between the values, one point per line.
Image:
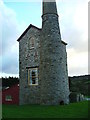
x=43 y=62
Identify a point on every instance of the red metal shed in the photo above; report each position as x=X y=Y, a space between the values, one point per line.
x=10 y=95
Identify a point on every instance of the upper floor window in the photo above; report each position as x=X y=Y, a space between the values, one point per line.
x=32 y=43
x=33 y=76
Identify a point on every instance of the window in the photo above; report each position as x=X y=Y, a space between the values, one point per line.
x=33 y=76
x=32 y=43
x=8 y=98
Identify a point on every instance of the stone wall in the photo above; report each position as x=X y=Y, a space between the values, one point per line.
x=28 y=94
x=53 y=63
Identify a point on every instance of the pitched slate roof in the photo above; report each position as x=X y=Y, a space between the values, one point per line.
x=26 y=31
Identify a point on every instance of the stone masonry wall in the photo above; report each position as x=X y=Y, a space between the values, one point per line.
x=28 y=94
x=53 y=63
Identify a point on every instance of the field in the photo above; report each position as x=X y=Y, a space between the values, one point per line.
x=73 y=110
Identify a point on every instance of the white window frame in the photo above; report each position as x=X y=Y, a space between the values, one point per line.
x=8 y=98
x=30 y=76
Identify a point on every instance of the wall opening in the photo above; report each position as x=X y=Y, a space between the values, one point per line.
x=61 y=102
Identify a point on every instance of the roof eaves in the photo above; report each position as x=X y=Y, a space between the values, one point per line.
x=64 y=42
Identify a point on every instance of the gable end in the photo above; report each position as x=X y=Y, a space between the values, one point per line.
x=26 y=31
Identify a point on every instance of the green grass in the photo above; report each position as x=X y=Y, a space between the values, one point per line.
x=73 y=110
x=87 y=96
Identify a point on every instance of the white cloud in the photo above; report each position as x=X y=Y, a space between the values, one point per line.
x=10 y=29
x=10 y=33
x=77 y=62
x=74 y=30
x=8 y=75
x=74 y=23
x=81 y=16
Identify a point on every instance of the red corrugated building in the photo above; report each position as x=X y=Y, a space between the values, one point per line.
x=10 y=95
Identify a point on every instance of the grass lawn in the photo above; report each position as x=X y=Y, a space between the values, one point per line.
x=73 y=110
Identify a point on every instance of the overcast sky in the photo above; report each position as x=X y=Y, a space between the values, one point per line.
x=16 y=16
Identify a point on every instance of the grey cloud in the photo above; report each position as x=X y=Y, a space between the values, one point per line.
x=74 y=38
x=78 y=71
x=10 y=63
x=9 y=34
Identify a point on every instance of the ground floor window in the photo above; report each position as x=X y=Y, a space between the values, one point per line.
x=8 y=98
x=33 y=76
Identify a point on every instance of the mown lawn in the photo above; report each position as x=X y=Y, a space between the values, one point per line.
x=73 y=110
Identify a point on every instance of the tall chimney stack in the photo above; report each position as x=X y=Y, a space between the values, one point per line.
x=53 y=59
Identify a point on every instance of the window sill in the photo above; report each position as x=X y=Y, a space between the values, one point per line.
x=8 y=100
x=31 y=48
x=33 y=84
